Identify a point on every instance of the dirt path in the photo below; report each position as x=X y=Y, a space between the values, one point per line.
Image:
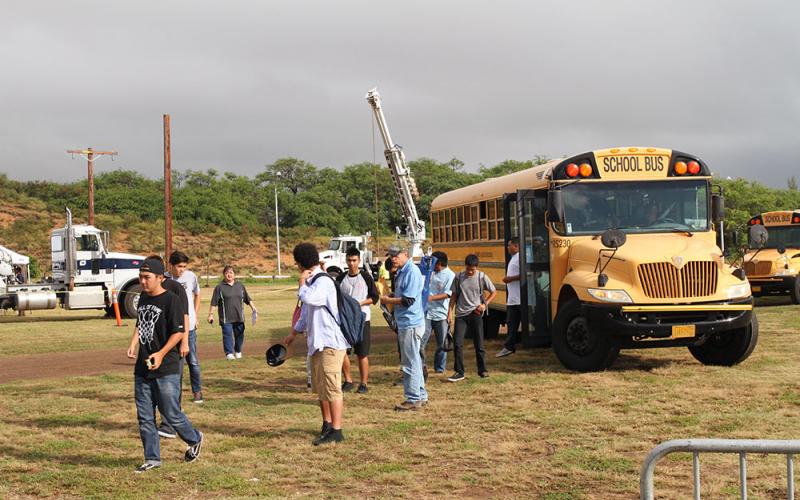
x=100 y=361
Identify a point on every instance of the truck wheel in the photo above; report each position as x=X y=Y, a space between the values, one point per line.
x=728 y=348
x=131 y=300
x=796 y=291
x=577 y=345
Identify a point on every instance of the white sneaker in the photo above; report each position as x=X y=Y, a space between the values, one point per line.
x=230 y=356
x=238 y=355
x=503 y=353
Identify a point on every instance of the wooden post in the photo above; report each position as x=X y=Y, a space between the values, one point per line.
x=167 y=192
x=89 y=153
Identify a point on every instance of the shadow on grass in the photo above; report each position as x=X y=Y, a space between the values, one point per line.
x=59 y=457
x=773 y=301
x=45 y=319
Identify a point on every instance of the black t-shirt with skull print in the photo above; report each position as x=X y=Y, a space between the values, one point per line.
x=158 y=318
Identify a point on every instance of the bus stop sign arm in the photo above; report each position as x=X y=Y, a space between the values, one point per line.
x=404 y=186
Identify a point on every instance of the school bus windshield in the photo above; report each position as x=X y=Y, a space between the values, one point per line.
x=636 y=207
x=782 y=236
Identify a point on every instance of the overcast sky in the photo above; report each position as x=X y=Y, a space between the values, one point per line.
x=248 y=82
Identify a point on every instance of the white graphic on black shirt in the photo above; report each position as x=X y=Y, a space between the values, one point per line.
x=148 y=316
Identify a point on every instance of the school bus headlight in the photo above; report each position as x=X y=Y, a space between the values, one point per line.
x=786 y=272
x=620 y=296
x=739 y=291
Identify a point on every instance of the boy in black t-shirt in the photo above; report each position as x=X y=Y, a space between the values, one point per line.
x=159 y=330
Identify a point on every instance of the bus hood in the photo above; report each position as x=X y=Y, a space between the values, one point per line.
x=769 y=262
x=653 y=267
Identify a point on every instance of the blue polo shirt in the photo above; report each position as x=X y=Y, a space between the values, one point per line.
x=409 y=284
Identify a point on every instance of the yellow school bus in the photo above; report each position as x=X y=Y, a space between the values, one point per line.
x=619 y=249
x=772 y=267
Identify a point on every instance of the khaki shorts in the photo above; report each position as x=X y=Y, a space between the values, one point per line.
x=326 y=374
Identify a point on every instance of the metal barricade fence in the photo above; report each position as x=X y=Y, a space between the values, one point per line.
x=697 y=446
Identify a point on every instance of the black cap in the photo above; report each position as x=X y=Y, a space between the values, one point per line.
x=276 y=355
x=154 y=266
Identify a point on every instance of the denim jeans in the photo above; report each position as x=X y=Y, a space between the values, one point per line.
x=439 y=329
x=513 y=316
x=474 y=324
x=194 y=362
x=232 y=337
x=411 y=363
x=161 y=392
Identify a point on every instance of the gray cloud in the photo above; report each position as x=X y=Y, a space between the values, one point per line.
x=247 y=83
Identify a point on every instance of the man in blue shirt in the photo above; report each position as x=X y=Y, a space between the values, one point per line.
x=408 y=312
x=438 y=304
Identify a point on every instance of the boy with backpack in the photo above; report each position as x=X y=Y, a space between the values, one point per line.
x=357 y=283
x=470 y=305
x=320 y=320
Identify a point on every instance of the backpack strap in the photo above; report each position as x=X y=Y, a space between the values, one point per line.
x=335 y=285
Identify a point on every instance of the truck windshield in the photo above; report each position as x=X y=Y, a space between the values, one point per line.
x=88 y=243
x=334 y=244
x=782 y=236
x=636 y=207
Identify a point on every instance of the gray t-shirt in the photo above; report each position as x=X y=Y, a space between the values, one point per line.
x=229 y=299
x=356 y=287
x=189 y=282
x=468 y=290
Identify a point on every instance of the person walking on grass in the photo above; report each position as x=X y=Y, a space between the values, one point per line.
x=513 y=312
x=470 y=305
x=410 y=318
x=229 y=296
x=159 y=330
x=170 y=285
x=358 y=283
x=178 y=263
x=436 y=317
x=319 y=319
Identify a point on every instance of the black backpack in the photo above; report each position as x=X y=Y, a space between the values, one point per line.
x=351 y=317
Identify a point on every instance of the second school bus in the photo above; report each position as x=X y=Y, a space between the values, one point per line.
x=774 y=266
x=618 y=250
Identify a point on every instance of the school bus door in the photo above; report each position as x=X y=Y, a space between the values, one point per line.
x=534 y=263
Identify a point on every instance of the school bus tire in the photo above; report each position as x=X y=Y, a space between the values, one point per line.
x=576 y=345
x=795 y=293
x=728 y=348
x=131 y=300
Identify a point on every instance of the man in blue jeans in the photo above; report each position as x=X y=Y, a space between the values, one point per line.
x=159 y=330
x=438 y=304
x=178 y=263
x=408 y=312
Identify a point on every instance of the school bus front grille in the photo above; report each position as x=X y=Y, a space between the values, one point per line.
x=662 y=280
x=758 y=268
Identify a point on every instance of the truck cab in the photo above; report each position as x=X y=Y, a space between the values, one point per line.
x=334 y=257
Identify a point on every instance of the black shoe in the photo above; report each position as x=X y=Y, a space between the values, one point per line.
x=193 y=451
x=484 y=374
x=333 y=436
x=456 y=377
x=326 y=428
x=362 y=389
x=165 y=431
x=348 y=386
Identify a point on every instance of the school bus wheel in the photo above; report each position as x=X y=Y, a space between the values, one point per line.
x=796 y=291
x=578 y=346
x=728 y=348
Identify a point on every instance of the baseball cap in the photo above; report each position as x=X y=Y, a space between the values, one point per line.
x=276 y=355
x=394 y=251
x=154 y=266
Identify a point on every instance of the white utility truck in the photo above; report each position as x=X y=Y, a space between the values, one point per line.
x=84 y=275
x=334 y=257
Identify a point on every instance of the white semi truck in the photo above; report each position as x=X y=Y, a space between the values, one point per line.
x=84 y=275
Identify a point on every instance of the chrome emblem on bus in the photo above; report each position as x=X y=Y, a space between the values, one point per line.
x=678 y=261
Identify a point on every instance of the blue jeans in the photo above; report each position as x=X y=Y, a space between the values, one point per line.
x=232 y=337
x=194 y=362
x=410 y=340
x=439 y=328
x=161 y=392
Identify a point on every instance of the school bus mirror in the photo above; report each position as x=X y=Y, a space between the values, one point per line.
x=757 y=235
x=555 y=206
x=717 y=207
x=613 y=238
x=739 y=273
x=781 y=249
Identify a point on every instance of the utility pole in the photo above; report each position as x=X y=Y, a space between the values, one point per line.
x=89 y=154
x=167 y=192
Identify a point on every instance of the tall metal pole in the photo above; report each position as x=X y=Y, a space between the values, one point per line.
x=89 y=154
x=167 y=191
x=277 y=231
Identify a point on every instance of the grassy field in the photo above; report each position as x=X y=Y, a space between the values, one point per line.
x=530 y=430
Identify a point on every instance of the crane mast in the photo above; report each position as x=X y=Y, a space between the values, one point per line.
x=404 y=186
